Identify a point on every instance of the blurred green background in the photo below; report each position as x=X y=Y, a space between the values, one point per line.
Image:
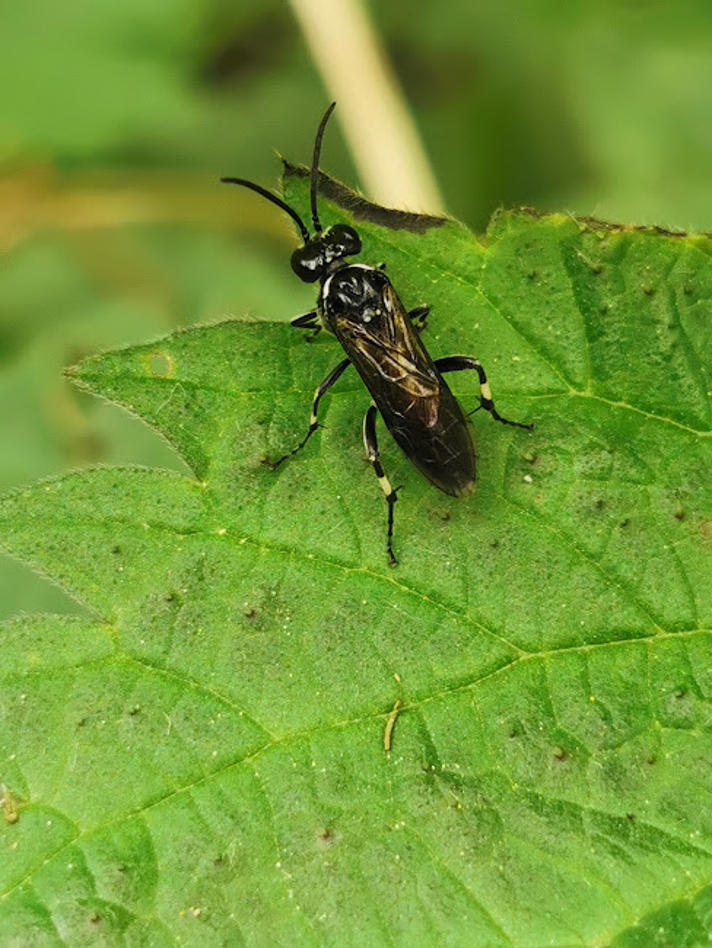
x=117 y=120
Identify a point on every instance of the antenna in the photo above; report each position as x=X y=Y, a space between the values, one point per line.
x=315 y=167
x=276 y=200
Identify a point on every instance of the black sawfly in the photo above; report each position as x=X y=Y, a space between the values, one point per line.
x=358 y=304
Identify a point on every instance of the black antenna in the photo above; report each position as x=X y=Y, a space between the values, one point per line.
x=275 y=200
x=315 y=167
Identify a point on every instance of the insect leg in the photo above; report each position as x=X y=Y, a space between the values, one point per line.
x=307 y=321
x=419 y=315
x=371 y=445
x=313 y=422
x=458 y=364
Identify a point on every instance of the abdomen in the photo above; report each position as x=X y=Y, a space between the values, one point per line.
x=443 y=452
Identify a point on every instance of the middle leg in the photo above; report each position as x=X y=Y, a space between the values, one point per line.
x=418 y=316
x=313 y=420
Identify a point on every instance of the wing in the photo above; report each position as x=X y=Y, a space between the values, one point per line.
x=393 y=363
x=425 y=419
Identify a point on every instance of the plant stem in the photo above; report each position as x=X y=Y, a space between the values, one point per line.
x=381 y=135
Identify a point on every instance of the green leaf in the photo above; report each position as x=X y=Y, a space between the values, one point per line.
x=204 y=761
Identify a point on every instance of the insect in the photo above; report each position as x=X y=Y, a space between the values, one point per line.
x=358 y=304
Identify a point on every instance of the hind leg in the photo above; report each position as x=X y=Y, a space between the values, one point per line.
x=459 y=364
x=371 y=445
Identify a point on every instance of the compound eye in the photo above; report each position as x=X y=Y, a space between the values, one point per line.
x=342 y=241
x=308 y=263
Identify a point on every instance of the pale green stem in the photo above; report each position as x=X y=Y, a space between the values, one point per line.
x=371 y=108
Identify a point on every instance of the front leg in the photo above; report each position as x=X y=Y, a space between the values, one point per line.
x=308 y=321
x=459 y=364
x=313 y=421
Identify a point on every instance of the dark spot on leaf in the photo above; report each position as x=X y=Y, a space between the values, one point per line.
x=679 y=514
x=560 y=754
x=443 y=515
x=687 y=290
x=532 y=275
x=494 y=544
x=361 y=209
x=649 y=290
x=630 y=816
x=116 y=550
x=135 y=710
x=599 y=504
x=251 y=613
x=95 y=919
x=624 y=523
x=325 y=837
x=531 y=458
x=680 y=693
x=652 y=761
